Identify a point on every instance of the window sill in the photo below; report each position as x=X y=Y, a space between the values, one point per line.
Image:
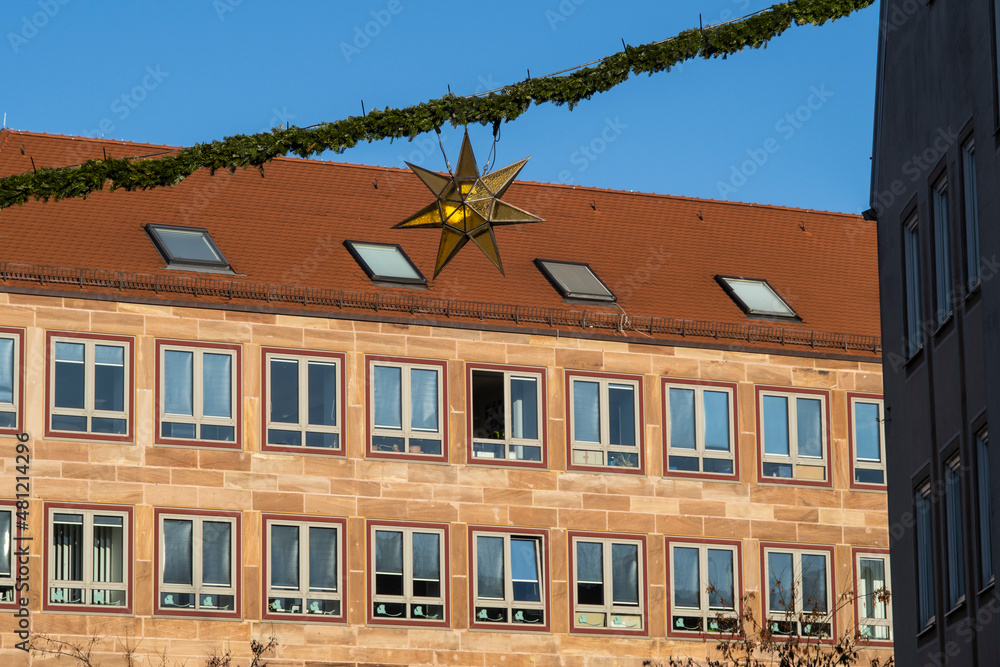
x=944 y=324
x=928 y=630
x=89 y=437
x=949 y=616
x=974 y=291
x=987 y=587
x=199 y=444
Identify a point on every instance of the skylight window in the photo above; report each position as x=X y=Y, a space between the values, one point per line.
x=385 y=262
x=575 y=280
x=756 y=297
x=188 y=248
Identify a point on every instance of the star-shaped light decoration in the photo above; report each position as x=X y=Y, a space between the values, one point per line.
x=468 y=206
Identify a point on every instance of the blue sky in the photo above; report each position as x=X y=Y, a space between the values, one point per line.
x=788 y=125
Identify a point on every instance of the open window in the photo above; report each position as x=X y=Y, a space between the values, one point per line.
x=506 y=415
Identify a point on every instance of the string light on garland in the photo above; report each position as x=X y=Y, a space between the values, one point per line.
x=243 y=151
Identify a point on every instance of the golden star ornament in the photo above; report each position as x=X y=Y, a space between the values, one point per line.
x=468 y=207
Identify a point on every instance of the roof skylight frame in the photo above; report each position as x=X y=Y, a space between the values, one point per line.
x=750 y=310
x=376 y=277
x=576 y=295
x=162 y=244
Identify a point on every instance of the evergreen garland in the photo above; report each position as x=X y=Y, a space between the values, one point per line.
x=513 y=100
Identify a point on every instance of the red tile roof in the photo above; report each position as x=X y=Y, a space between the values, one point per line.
x=285 y=231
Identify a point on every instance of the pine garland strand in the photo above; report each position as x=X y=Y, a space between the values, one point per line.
x=257 y=149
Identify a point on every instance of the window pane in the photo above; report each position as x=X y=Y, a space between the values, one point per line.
x=70 y=372
x=386 y=261
x=388 y=562
x=216 y=552
x=586 y=411
x=488 y=419
x=322 y=393
x=322 y=559
x=426 y=556
x=524 y=569
x=284 y=564
x=759 y=297
x=388 y=382
x=621 y=414
x=973 y=271
x=721 y=582
x=872 y=579
x=6 y=370
x=716 y=421
x=814 y=583
x=590 y=572
x=956 y=551
x=912 y=256
x=6 y=540
x=108 y=549
x=625 y=573
x=942 y=253
x=424 y=399
x=810 y=425
x=682 y=418
x=489 y=567
x=687 y=577
x=985 y=510
x=185 y=244
x=68 y=547
x=177 y=547
x=178 y=381
x=283 y=386
x=218 y=385
x=109 y=377
x=925 y=576
x=524 y=408
x=775 y=425
x=866 y=427
x=780 y=582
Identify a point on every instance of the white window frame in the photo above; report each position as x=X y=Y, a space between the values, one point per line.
x=797 y=614
x=942 y=252
x=198 y=588
x=198 y=419
x=8 y=545
x=17 y=379
x=87 y=584
x=509 y=443
x=406 y=432
x=605 y=456
x=513 y=608
x=924 y=556
x=858 y=463
x=89 y=412
x=794 y=458
x=709 y=616
x=610 y=617
x=912 y=286
x=303 y=427
x=985 y=511
x=973 y=268
x=414 y=604
x=954 y=533
x=700 y=452
x=305 y=611
x=881 y=602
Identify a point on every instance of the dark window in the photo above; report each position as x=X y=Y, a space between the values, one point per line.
x=575 y=280
x=188 y=248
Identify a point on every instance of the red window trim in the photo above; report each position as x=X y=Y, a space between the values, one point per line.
x=90 y=610
x=237 y=444
x=855 y=552
x=832 y=583
x=792 y=481
x=545 y=579
x=734 y=427
x=445 y=572
x=265 y=559
x=543 y=410
x=369 y=416
x=738 y=585
x=18 y=333
x=858 y=486
x=643 y=583
x=129 y=388
x=640 y=425
x=16 y=530
x=236 y=614
x=341 y=449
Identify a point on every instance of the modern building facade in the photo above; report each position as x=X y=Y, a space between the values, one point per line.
x=244 y=411
x=934 y=193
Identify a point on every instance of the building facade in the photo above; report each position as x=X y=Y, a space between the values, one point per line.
x=242 y=411
x=934 y=191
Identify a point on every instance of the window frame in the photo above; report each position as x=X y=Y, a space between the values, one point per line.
x=181 y=264
x=924 y=566
x=605 y=379
x=303 y=357
x=913 y=291
x=700 y=386
x=823 y=395
x=90 y=341
x=943 y=281
x=954 y=531
x=199 y=348
x=857 y=464
x=17 y=407
x=609 y=608
x=14 y=540
x=199 y=517
x=377 y=278
x=303 y=522
x=542 y=442
x=542 y=537
x=857 y=553
x=798 y=550
x=408 y=528
x=407 y=364
x=704 y=610
x=731 y=292
x=984 y=510
x=88 y=511
x=970 y=216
